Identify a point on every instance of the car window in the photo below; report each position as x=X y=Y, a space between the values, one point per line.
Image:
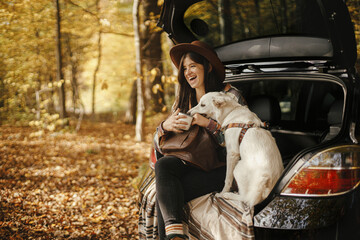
x=304 y=104
x=218 y=22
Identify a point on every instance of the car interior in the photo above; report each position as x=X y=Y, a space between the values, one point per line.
x=300 y=113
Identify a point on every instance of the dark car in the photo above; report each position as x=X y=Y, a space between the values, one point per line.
x=294 y=62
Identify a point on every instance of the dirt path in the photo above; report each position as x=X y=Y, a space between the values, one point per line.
x=70 y=185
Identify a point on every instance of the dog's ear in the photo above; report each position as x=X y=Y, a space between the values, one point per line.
x=219 y=101
x=232 y=96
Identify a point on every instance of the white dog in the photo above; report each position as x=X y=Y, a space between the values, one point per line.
x=256 y=163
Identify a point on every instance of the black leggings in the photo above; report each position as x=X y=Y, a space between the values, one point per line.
x=178 y=183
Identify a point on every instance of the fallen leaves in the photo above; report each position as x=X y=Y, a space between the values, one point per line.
x=73 y=186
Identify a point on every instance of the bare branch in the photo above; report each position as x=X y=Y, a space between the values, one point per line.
x=118 y=33
x=84 y=9
x=97 y=17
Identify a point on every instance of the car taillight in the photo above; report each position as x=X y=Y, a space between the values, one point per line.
x=153 y=158
x=330 y=172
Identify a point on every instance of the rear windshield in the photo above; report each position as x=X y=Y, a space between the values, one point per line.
x=219 y=22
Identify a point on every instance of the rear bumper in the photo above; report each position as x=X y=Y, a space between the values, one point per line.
x=279 y=234
x=310 y=218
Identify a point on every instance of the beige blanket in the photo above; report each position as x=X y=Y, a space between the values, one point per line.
x=211 y=216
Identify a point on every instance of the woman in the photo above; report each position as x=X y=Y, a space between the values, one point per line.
x=200 y=71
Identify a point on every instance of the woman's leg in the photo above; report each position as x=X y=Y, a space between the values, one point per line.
x=169 y=193
x=160 y=222
x=196 y=182
x=176 y=184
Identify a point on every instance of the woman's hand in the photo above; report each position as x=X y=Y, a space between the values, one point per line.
x=174 y=123
x=200 y=120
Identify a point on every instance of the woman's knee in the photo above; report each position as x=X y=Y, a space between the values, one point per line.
x=168 y=164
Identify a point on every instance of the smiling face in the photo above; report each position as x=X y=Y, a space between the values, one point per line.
x=194 y=73
x=196 y=77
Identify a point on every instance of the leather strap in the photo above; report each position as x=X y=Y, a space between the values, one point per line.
x=244 y=127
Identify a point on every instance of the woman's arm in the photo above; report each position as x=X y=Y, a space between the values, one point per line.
x=210 y=125
x=173 y=123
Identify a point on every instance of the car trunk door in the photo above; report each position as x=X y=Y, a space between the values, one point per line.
x=328 y=19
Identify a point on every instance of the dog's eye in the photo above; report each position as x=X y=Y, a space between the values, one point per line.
x=202 y=105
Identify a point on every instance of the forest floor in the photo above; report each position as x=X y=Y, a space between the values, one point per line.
x=71 y=185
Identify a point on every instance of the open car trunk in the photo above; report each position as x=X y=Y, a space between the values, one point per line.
x=293 y=61
x=222 y=23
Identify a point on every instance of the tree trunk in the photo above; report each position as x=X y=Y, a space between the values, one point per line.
x=130 y=115
x=284 y=20
x=152 y=56
x=140 y=98
x=60 y=75
x=174 y=71
x=74 y=67
x=99 y=60
x=2 y=100
x=259 y=26
x=225 y=21
x=51 y=94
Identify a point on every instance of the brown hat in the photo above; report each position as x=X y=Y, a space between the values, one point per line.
x=201 y=48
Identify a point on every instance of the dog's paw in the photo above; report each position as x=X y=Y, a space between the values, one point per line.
x=224 y=194
x=226 y=189
x=230 y=196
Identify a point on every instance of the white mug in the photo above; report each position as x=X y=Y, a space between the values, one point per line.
x=188 y=120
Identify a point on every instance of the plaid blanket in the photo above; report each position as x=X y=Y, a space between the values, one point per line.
x=212 y=216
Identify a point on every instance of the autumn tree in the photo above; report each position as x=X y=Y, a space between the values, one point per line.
x=354 y=9
x=98 y=13
x=27 y=53
x=59 y=69
x=139 y=74
x=152 y=54
x=78 y=47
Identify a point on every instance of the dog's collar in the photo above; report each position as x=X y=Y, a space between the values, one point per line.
x=244 y=125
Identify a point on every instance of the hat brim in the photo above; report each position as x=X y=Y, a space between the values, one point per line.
x=179 y=50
